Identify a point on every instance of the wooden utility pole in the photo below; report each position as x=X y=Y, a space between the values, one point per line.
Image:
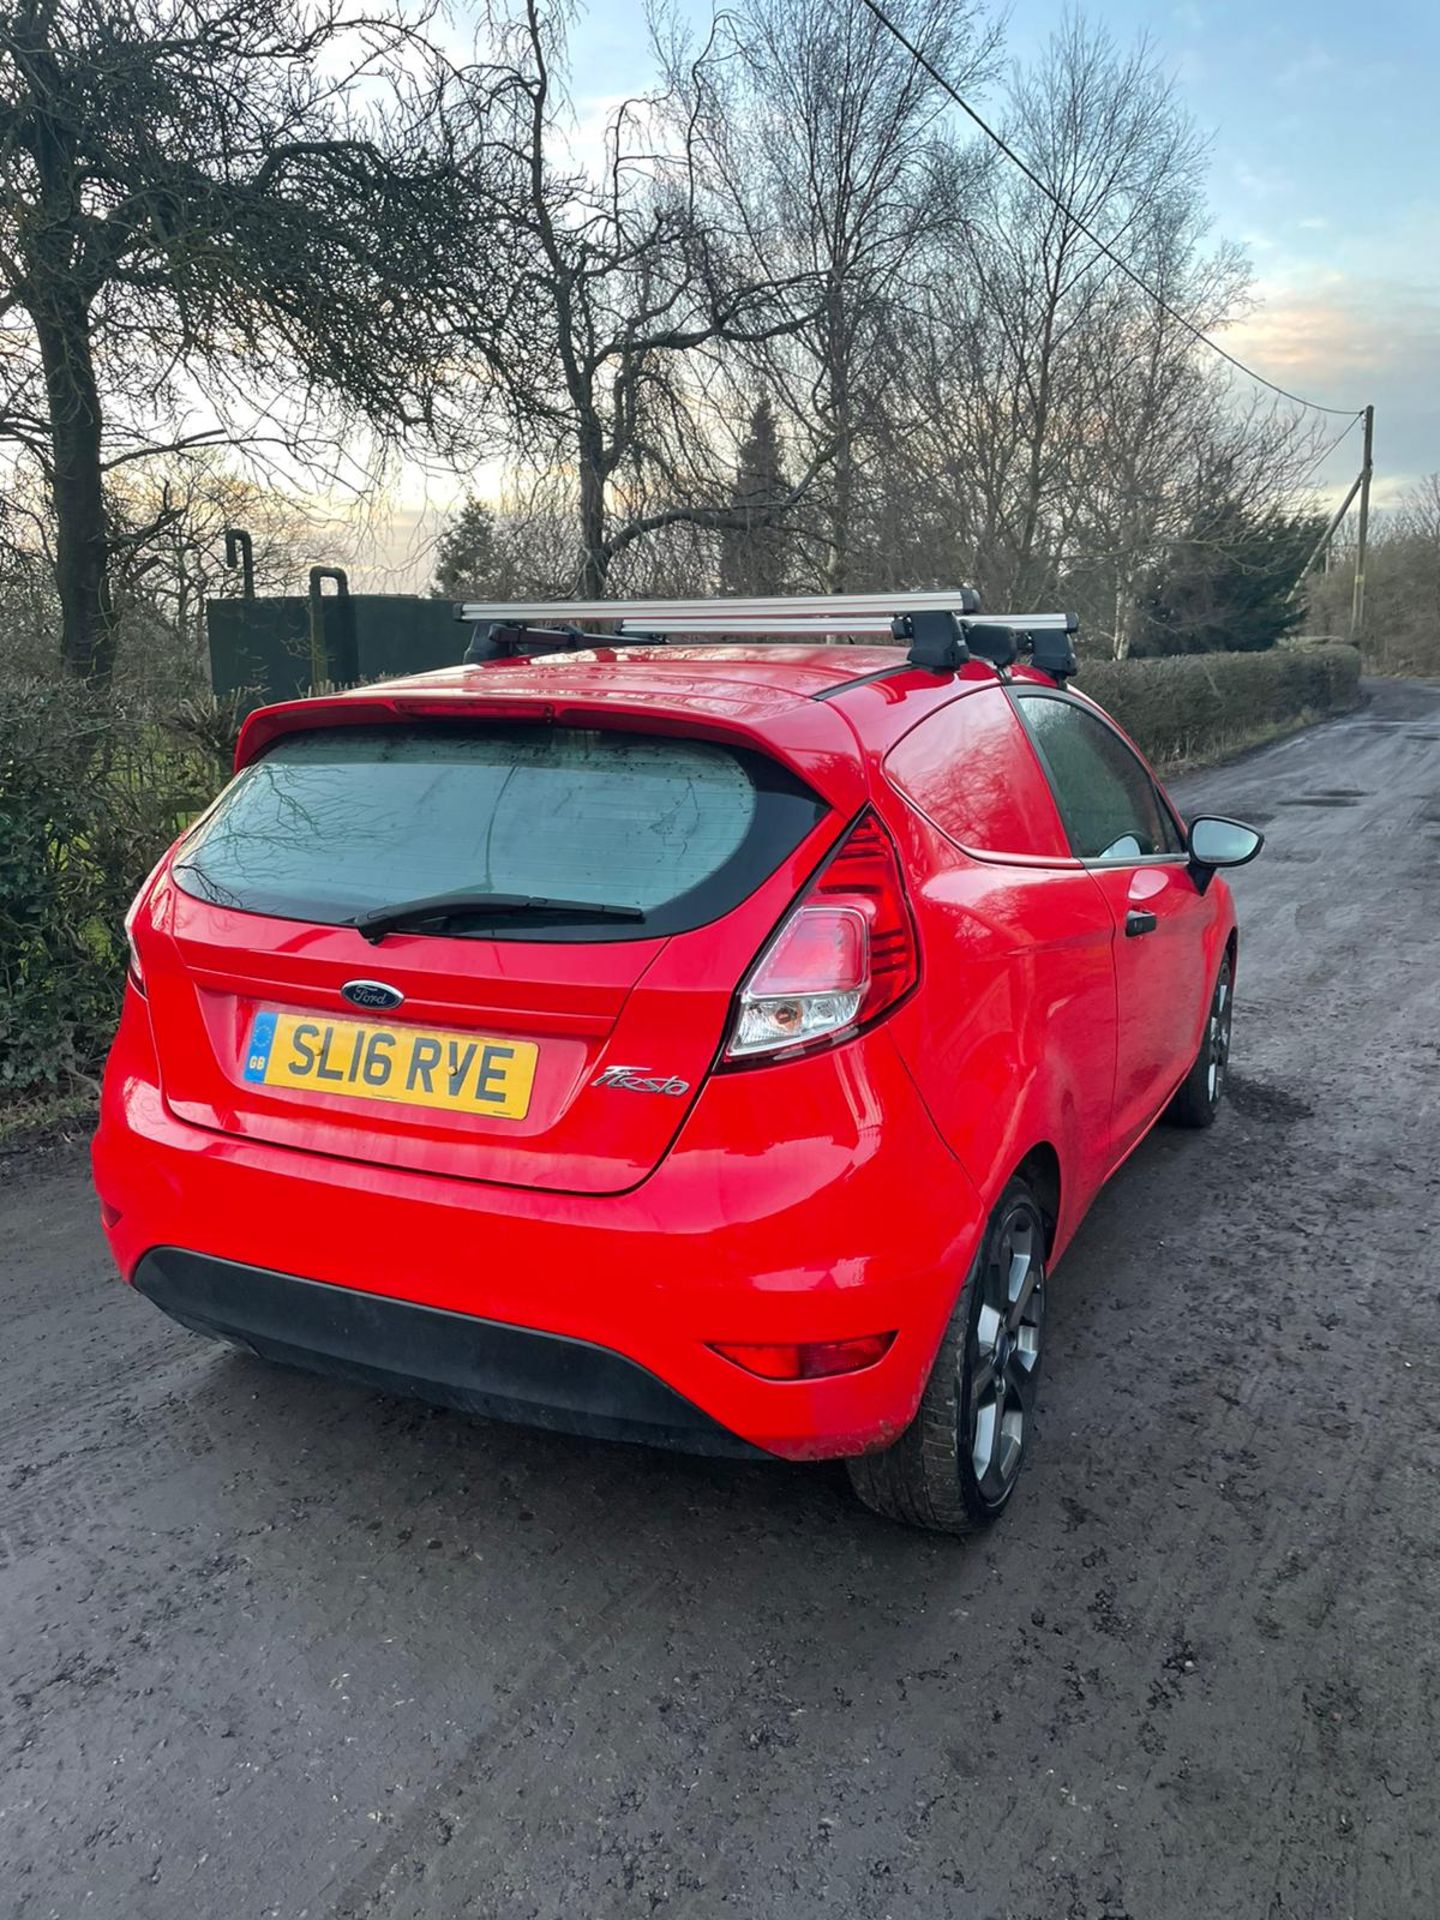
x=1357 y=604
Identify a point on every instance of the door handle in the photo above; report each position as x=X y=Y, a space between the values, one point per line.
x=1137 y=922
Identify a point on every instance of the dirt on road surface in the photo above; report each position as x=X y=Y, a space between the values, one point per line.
x=275 y=1646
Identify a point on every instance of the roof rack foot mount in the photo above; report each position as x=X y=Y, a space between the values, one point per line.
x=943 y=642
x=937 y=640
x=1053 y=653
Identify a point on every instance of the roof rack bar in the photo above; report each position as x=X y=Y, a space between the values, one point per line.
x=501 y=640
x=783 y=606
x=815 y=626
x=777 y=627
x=1035 y=622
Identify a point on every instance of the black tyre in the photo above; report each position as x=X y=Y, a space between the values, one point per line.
x=955 y=1466
x=1198 y=1100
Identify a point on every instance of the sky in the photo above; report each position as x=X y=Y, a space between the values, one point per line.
x=1324 y=133
x=1325 y=165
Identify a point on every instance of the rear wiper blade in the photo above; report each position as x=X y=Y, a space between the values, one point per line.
x=379 y=921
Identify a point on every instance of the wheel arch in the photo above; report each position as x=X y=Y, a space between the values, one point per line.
x=1040 y=1170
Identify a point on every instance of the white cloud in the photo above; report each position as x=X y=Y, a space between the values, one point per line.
x=1315 y=63
x=1265 y=183
x=1344 y=341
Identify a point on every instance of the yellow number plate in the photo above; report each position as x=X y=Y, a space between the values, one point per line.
x=460 y=1072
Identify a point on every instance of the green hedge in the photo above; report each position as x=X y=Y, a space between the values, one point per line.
x=1197 y=706
x=92 y=791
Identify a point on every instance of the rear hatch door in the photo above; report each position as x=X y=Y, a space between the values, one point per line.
x=555 y=1046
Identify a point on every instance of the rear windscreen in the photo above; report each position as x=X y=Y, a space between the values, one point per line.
x=331 y=824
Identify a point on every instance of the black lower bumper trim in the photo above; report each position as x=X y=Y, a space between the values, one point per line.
x=454 y=1359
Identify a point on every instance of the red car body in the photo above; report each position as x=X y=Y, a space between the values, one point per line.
x=765 y=1259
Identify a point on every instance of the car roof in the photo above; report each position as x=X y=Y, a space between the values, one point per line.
x=746 y=682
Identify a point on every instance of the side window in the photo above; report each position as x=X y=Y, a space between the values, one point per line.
x=971 y=771
x=1107 y=799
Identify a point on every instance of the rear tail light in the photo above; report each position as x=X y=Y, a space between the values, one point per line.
x=844 y=955
x=137 y=974
x=135 y=969
x=809 y=1359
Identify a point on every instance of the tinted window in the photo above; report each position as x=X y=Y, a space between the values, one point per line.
x=330 y=824
x=1107 y=799
x=971 y=770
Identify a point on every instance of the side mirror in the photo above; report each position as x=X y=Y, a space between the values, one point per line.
x=1221 y=843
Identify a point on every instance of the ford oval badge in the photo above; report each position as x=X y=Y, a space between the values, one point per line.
x=371 y=993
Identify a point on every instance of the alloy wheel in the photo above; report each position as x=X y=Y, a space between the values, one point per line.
x=1218 y=1036
x=1003 y=1353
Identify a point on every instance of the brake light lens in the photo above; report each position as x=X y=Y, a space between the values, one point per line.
x=135 y=970
x=809 y=1359
x=845 y=955
x=137 y=973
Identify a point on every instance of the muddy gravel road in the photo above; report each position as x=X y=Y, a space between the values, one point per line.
x=272 y=1646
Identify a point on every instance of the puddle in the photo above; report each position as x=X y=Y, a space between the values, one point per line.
x=1324 y=800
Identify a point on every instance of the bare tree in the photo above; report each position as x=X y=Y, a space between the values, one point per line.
x=1058 y=417
x=215 y=217
x=833 y=138
x=294 y=225
x=166 y=525
x=631 y=286
x=1106 y=134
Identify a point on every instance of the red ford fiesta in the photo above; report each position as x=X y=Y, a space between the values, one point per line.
x=713 y=1045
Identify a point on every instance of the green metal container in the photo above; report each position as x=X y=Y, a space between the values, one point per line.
x=262 y=648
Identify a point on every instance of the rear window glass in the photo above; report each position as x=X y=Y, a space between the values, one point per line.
x=350 y=820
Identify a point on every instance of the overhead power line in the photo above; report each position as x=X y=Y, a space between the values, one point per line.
x=1104 y=246
x=1329 y=447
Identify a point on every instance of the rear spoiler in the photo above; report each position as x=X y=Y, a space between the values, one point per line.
x=805 y=737
x=938 y=626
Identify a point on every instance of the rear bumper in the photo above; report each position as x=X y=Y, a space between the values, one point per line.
x=453 y=1359
x=847 y=1216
